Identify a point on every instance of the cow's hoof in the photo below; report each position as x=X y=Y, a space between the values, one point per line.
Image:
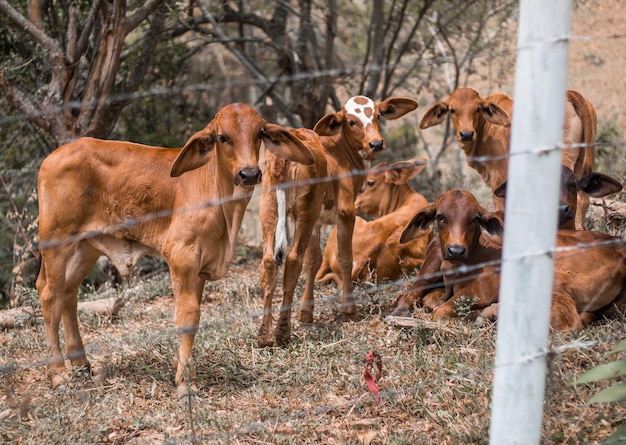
x=265 y=338
x=58 y=381
x=187 y=393
x=282 y=333
x=281 y=340
x=401 y=311
x=305 y=316
x=350 y=316
x=264 y=342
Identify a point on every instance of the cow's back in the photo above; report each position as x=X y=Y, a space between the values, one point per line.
x=104 y=183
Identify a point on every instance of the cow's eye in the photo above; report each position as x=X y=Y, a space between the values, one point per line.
x=221 y=138
x=452 y=111
x=439 y=217
x=573 y=187
x=371 y=183
x=351 y=123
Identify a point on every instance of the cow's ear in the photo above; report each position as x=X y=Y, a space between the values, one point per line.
x=195 y=153
x=500 y=191
x=494 y=114
x=329 y=124
x=403 y=171
x=435 y=115
x=491 y=223
x=421 y=221
x=396 y=107
x=285 y=144
x=599 y=185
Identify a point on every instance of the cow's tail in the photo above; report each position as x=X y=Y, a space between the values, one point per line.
x=587 y=115
x=280 y=240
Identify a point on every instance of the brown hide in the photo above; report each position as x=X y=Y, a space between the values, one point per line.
x=126 y=200
x=344 y=142
x=593 y=184
x=376 y=247
x=468 y=235
x=482 y=128
x=589 y=268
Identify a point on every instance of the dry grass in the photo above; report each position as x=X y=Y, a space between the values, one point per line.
x=436 y=384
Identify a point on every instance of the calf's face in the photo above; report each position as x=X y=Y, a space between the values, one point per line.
x=383 y=182
x=460 y=220
x=465 y=108
x=359 y=120
x=235 y=136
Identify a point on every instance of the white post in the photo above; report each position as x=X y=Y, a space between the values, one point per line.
x=531 y=222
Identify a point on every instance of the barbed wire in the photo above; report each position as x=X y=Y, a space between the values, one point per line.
x=295 y=77
x=390 y=289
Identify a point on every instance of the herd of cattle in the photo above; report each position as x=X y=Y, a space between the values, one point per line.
x=186 y=205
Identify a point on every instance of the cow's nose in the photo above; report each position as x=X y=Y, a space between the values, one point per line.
x=467 y=136
x=565 y=212
x=248 y=176
x=377 y=145
x=455 y=253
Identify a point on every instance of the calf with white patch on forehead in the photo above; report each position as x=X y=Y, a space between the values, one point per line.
x=343 y=144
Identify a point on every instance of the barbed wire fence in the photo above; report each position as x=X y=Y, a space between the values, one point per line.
x=389 y=290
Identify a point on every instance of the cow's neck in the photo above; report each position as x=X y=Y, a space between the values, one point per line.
x=221 y=191
x=476 y=155
x=400 y=198
x=341 y=146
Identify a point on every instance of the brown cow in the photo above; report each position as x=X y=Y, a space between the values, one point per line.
x=592 y=184
x=426 y=290
x=589 y=280
x=127 y=200
x=322 y=194
x=376 y=246
x=468 y=235
x=482 y=127
x=589 y=269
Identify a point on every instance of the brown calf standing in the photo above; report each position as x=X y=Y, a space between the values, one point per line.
x=482 y=127
x=376 y=247
x=312 y=196
x=127 y=200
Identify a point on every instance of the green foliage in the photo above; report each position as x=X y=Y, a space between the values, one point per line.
x=463 y=306
x=612 y=394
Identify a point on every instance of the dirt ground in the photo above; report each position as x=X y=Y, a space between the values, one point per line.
x=436 y=382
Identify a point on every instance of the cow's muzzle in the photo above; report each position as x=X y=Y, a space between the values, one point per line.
x=248 y=176
x=466 y=136
x=566 y=215
x=455 y=253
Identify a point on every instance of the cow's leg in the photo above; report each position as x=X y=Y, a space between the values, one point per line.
x=268 y=276
x=51 y=287
x=78 y=268
x=345 y=229
x=431 y=300
x=446 y=310
x=187 y=287
x=428 y=279
x=490 y=313
x=581 y=211
x=293 y=267
x=313 y=261
x=62 y=270
x=563 y=313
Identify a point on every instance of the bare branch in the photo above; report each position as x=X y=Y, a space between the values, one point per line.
x=140 y=15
